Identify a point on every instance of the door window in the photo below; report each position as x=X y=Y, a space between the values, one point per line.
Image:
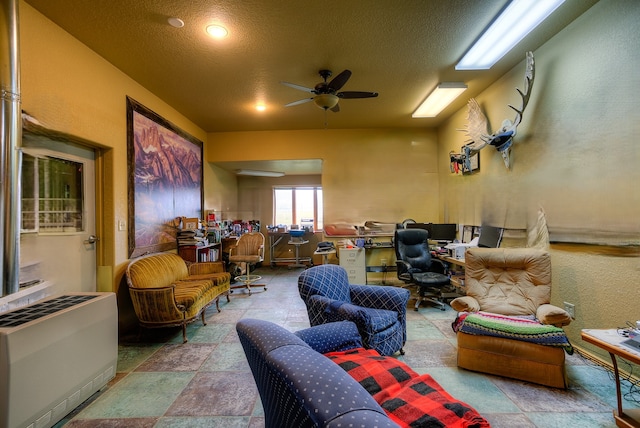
x=52 y=194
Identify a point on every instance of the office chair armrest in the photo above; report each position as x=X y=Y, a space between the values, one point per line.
x=380 y=297
x=437 y=265
x=402 y=266
x=465 y=304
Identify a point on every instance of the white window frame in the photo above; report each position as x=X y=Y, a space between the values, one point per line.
x=39 y=153
x=317 y=211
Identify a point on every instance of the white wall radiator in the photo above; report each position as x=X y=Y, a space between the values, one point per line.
x=55 y=354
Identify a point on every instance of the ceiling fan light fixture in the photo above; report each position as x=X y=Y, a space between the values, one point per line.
x=441 y=97
x=326 y=101
x=259 y=173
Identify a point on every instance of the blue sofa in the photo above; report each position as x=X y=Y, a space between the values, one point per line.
x=348 y=386
x=379 y=312
x=299 y=387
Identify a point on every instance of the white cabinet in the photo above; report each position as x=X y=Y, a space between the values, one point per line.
x=353 y=260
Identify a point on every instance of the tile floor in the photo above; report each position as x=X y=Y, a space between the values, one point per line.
x=207 y=382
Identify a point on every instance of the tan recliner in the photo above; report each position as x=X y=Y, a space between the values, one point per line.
x=511 y=281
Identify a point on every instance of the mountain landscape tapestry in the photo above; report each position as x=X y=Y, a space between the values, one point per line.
x=165 y=180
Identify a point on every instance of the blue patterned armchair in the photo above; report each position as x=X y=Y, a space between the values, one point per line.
x=379 y=312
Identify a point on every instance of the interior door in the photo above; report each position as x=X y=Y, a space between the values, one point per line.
x=57 y=241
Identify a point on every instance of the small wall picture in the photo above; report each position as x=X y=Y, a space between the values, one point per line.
x=474 y=162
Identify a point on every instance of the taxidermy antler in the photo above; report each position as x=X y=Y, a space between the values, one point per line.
x=477 y=126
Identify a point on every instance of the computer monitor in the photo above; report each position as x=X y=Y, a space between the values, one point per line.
x=443 y=232
x=490 y=237
x=425 y=226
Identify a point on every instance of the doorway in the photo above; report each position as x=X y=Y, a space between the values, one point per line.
x=58 y=220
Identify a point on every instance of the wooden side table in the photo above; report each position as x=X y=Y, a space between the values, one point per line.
x=611 y=341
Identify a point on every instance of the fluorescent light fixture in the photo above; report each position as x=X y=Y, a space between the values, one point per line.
x=258 y=173
x=513 y=24
x=441 y=97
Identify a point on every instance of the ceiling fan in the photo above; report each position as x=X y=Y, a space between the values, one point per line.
x=326 y=95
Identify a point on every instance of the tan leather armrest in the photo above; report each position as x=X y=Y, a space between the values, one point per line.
x=552 y=315
x=465 y=304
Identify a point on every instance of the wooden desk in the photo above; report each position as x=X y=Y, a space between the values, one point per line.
x=380 y=268
x=457 y=282
x=610 y=341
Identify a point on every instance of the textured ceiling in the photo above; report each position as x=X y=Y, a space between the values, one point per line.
x=401 y=49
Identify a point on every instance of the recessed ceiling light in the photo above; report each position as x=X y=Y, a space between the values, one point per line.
x=261 y=107
x=176 y=22
x=217 y=31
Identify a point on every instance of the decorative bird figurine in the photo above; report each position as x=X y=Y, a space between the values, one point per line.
x=478 y=129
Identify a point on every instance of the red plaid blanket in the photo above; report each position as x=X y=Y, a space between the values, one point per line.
x=410 y=399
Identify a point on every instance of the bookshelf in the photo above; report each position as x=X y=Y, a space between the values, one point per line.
x=199 y=253
x=194 y=245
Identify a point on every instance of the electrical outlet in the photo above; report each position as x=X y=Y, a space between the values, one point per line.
x=121 y=225
x=571 y=309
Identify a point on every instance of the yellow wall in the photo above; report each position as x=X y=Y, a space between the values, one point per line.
x=385 y=175
x=71 y=89
x=575 y=156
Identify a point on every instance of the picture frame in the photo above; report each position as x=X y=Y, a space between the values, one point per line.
x=190 y=223
x=165 y=176
x=474 y=162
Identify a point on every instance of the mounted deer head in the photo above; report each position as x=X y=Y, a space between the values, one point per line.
x=477 y=125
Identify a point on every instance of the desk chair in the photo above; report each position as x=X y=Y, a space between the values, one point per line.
x=416 y=266
x=249 y=249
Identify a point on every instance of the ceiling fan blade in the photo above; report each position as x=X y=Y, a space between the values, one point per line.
x=339 y=81
x=356 y=94
x=299 y=87
x=295 y=103
x=335 y=108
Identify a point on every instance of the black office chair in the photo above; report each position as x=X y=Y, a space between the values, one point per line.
x=416 y=266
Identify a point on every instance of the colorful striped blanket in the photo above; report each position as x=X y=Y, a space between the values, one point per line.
x=519 y=328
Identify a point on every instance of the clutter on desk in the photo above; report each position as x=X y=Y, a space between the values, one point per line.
x=369 y=228
x=219 y=229
x=340 y=229
x=457 y=249
x=325 y=247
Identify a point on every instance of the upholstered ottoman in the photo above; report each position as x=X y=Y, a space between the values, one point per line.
x=512 y=358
